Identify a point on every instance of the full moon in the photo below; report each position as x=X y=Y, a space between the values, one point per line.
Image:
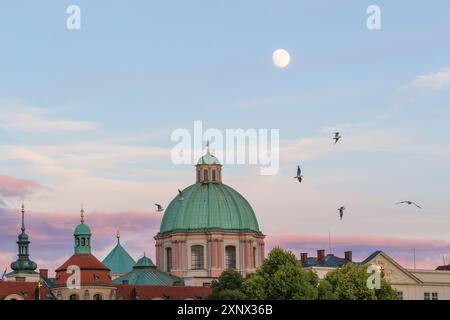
x=281 y=58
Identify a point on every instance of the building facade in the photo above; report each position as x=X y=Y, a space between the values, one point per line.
x=411 y=284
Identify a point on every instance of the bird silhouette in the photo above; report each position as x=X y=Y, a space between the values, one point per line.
x=299 y=174
x=341 y=212
x=159 y=207
x=181 y=195
x=409 y=203
x=336 y=137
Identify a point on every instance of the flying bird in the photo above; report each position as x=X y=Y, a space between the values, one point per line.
x=299 y=174
x=336 y=137
x=341 y=212
x=409 y=203
x=160 y=208
x=181 y=194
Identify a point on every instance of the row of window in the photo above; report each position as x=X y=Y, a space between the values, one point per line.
x=206 y=175
x=198 y=261
x=97 y=296
x=84 y=242
x=430 y=296
x=426 y=295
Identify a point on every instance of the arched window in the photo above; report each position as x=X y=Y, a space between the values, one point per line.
x=254 y=257
x=198 y=175
x=205 y=175
x=214 y=175
x=197 y=260
x=98 y=296
x=230 y=257
x=73 y=297
x=77 y=242
x=83 y=242
x=169 y=259
x=86 y=294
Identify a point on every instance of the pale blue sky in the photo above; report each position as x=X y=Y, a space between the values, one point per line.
x=138 y=70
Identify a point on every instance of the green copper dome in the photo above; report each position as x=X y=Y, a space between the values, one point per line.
x=209 y=207
x=118 y=260
x=144 y=262
x=82 y=230
x=145 y=273
x=208 y=158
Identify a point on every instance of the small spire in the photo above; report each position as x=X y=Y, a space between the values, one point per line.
x=207 y=146
x=118 y=236
x=23 y=217
x=82 y=214
x=144 y=254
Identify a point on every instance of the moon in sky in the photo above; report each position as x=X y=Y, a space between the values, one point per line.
x=281 y=58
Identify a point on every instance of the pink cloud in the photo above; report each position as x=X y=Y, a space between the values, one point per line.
x=51 y=234
x=11 y=187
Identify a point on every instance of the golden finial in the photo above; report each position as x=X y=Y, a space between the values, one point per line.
x=82 y=214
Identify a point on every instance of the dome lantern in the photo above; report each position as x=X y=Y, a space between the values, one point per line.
x=82 y=236
x=209 y=169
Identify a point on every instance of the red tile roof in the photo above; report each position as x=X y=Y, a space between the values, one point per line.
x=162 y=292
x=83 y=261
x=93 y=272
x=24 y=289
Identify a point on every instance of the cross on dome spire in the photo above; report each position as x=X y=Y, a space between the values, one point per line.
x=82 y=214
x=23 y=218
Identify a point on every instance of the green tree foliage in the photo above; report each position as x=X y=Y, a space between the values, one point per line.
x=281 y=277
x=227 y=287
x=349 y=282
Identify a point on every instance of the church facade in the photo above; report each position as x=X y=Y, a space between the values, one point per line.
x=208 y=228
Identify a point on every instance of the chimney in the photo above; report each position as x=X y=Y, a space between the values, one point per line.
x=43 y=273
x=304 y=257
x=348 y=256
x=321 y=255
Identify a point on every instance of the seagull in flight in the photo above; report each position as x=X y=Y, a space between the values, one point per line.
x=299 y=174
x=160 y=208
x=336 y=137
x=341 y=212
x=181 y=195
x=410 y=203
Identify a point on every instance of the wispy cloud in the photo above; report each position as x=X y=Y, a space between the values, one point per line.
x=432 y=81
x=18 y=117
x=11 y=187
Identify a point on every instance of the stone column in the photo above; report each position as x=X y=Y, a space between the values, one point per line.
x=184 y=249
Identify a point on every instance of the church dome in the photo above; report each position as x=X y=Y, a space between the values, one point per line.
x=119 y=260
x=208 y=158
x=209 y=207
x=82 y=230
